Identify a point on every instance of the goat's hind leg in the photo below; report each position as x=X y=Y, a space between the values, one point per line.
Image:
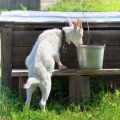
x=29 y=92
x=45 y=90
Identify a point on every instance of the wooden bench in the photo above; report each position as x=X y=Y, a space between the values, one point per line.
x=79 y=80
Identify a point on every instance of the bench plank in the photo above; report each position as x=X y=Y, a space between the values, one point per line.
x=71 y=72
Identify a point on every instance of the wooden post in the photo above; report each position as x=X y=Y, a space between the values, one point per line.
x=79 y=87
x=22 y=81
x=6 y=56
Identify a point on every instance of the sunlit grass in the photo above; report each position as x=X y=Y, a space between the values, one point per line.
x=89 y=5
x=102 y=106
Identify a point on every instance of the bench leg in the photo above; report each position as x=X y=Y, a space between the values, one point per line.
x=79 y=88
x=21 y=85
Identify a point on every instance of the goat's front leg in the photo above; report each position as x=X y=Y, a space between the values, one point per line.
x=57 y=60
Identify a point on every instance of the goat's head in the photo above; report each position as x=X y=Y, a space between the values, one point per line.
x=74 y=32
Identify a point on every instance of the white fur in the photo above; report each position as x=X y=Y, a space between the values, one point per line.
x=40 y=62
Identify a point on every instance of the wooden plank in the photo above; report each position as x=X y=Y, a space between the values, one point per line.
x=112 y=48
x=106 y=25
x=18 y=65
x=20 y=53
x=36 y=26
x=6 y=59
x=111 y=64
x=25 y=38
x=111 y=53
x=108 y=37
x=101 y=37
x=79 y=88
x=71 y=72
x=70 y=64
x=111 y=58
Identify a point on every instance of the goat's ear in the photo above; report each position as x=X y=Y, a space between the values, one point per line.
x=70 y=22
x=75 y=25
x=79 y=23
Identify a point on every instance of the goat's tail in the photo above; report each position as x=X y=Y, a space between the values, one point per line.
x=31 y=81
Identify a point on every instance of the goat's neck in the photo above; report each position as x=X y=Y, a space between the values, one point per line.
x=67 y=34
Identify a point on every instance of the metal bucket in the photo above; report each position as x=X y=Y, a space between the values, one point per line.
x=90 y=56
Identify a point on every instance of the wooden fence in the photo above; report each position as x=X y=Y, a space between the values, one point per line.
x=19 y=36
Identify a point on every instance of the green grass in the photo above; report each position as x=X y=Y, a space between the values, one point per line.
x=102 y=106
x=88 y=5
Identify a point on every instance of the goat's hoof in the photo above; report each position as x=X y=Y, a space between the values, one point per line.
x=42 y=107
x=27 y=104
x=62 y=67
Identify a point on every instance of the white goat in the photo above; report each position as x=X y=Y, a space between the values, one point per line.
x=40 y=62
